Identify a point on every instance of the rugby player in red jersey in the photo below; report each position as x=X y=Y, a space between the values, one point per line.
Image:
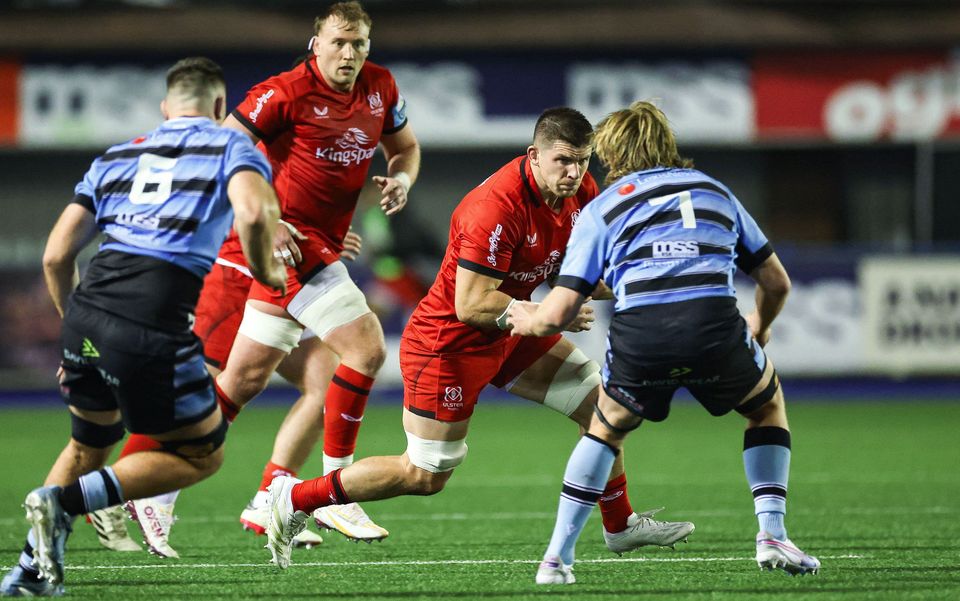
x=507 y=237
x=319 y=124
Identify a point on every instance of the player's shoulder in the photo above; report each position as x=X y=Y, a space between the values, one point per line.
x=503 y=190
x=374 y=75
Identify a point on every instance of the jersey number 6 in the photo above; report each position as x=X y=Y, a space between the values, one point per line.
x=154 y=180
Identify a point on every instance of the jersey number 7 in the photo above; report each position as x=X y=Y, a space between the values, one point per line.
x=686 y=207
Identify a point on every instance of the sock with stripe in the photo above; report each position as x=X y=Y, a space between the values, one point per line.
x=583 y=482
x=26 y=558
x=91 y=492
x=615 y=505
x=343 y=411
x=766 y=461
x=319 y=492
x=271 y=471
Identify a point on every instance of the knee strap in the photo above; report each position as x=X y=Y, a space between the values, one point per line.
x=611 y=427
x=577 y=376
x=435 y=456
x=95 y=435
x=197 y=448
x=762 y=398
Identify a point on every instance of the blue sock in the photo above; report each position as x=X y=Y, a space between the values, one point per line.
x=583 y=482
x=26 y=556
x=766 y=461
x=91 y=492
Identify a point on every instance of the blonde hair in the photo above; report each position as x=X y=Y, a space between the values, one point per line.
x=635 y=139
x=351 y=13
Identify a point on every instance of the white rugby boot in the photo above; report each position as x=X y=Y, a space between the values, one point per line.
x=111 y=527
x=51 y=526
x=554 y=571
x=773 y=553
x=351 y=521
x=284 y=522
x=256 y=514
x=155 y=520
x=643 y=530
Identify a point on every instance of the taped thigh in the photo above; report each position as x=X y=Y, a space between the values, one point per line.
x=577 y=377
x=270 y=330
x=435 y=456
x=329 y=300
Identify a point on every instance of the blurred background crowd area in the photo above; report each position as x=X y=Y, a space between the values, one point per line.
x=837 y=124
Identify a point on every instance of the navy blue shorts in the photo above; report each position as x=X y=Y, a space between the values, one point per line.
x=157 y=380
x=719 y=376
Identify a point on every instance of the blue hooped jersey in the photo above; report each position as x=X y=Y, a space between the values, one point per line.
x=164 y=195
x=663 y=236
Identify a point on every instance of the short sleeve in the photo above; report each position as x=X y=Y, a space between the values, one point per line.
x=396 y=114
x=266 y=110
x=753 y=248
x=242 y=155
x=487 y=236
x=583 y=264
x=85 y=191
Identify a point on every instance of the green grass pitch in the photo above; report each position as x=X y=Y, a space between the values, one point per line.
x=874 y=492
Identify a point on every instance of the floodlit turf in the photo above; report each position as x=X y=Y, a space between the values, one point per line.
x=874 y=492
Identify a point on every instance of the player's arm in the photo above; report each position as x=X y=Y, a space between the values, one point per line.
x=562 y=309
x=256 y=214
x=234 y=123
x=402 y=152
x=477 y=301
x=75 y=228
x=773 y=286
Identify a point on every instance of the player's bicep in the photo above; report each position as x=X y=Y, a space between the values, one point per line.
x=75 y=228
x=772 y=276
x=471 y=286
x=402 y=141
x=251 y=196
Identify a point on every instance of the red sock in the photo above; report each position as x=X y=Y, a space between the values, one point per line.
x=343 y=410
x=271 y=471
x=319 y=492
x=614 y=505
x=227 y=407
x=137 y=443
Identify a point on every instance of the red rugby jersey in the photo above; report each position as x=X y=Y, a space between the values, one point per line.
x=503 y=229
x=320 y=143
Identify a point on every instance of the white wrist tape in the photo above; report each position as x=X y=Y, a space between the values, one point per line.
x=403 y=179
x=502 y=320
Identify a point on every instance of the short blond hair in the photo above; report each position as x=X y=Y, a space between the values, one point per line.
x=635 y=139
x=349 y=12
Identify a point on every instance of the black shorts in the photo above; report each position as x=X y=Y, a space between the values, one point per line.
x=719 y=377
x=157 y=380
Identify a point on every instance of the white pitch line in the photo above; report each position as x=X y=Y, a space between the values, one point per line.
x=549 y=515
x=347 y=564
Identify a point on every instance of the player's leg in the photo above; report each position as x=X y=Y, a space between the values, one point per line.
x=266 y=336
x=439 y=396
x=563 y=378
x=434 y=449
x=766 y=461
x=584 y=481
x=309 y=367
x=331 y=305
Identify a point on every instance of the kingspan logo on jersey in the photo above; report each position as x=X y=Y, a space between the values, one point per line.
x=262 y=100
x=348 y=149
x=543 y=270
x=494 y=240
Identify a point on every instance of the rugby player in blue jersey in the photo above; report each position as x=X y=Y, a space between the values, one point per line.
x=667 y=239
x=165 y=202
